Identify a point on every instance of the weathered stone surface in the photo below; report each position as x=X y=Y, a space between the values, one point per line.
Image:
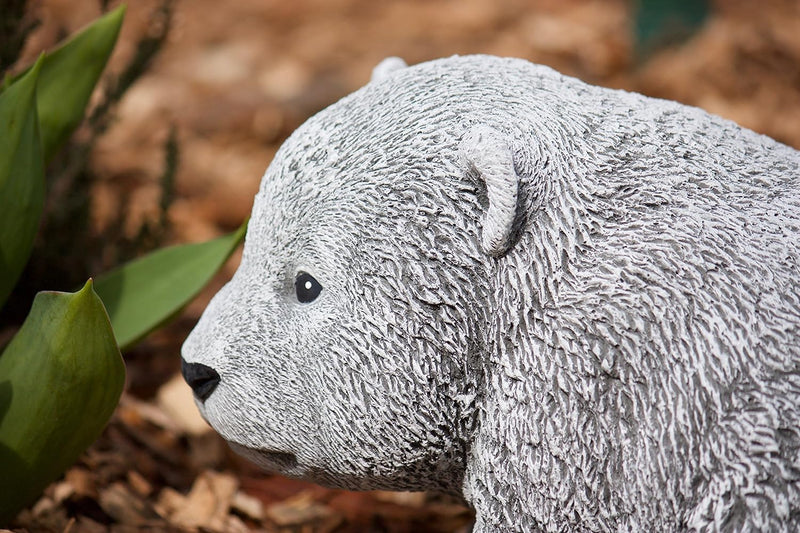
x=577 y=307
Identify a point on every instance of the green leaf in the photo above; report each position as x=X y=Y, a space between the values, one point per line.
x=21 y=177
x=69 y=74
x=60 y=380
x=145 y=293
x=660 y=23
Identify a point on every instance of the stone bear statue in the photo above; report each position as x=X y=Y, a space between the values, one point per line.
x=576 y=307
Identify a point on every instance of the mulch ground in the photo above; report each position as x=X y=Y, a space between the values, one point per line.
x=235 y=80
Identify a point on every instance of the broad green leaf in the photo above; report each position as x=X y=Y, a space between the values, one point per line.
x=660 y=23
x=60 y=380
x=69 y=74
x=143 y=294
x=21 y=177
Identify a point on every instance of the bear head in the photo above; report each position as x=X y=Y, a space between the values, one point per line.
x=347 y=349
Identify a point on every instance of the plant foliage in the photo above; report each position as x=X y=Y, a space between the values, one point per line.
x=61 y=375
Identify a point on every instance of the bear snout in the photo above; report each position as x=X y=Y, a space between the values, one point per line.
x=201 y=378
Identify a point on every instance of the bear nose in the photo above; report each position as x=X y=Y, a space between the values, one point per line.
x=201 y=378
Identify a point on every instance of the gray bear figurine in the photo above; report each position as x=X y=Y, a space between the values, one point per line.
x=578 y=308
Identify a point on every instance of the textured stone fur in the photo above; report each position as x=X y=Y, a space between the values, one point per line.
x=616 y=349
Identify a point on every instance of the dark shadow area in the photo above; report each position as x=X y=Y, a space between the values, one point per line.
x=13 y=481
x=5 y=399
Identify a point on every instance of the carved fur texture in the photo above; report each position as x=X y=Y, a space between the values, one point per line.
x=577 y=307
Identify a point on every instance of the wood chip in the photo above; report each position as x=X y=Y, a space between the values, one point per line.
x=43 y=506
x=133 y=412
x=176 y=400
x=160 y=444
x=299 y=510
x=208 y=503
x=62 y=491
x=87 y=525
x=406 y=499
x=169 y=501
x=125 y=507
x=249 y=506
x=139 y=484
x=234 y=524
x=70 y=526
x=82 y=481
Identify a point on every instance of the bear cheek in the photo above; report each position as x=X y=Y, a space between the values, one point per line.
x=371 y=415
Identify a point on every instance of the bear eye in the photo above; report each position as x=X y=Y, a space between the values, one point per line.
x=306 y=287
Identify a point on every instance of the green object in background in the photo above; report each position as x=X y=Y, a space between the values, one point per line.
x=660 y=23
x=61 y=375
x=21 y=177
x=60 y=380
x=69 y=74
x=143 y=294
x=60 y=84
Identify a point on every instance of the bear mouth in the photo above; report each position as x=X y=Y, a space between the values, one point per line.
x=273 y=460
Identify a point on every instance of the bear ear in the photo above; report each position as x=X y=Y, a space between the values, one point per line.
x=486 y=152
x=386 y=67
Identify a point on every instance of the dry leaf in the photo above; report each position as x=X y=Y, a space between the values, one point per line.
x=176 y=400
x=135 y=412
x=208 y=503
x=249 y=506
x=169 y=501
x=299 y=510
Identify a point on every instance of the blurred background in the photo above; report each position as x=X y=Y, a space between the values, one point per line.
x=198 y=97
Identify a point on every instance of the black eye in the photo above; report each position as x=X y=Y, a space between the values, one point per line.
x=306 y=287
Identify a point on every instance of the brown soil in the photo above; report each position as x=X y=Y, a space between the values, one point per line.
x=235 y=81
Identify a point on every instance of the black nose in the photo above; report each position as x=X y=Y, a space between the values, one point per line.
x=201 y=378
